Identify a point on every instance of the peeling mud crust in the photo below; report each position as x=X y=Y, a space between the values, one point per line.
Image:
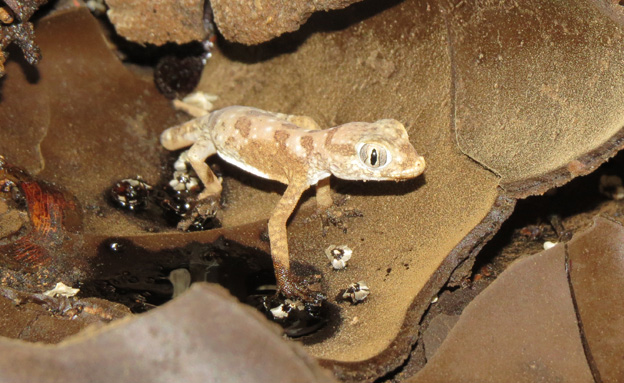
x=253 y=22
x=564 y=130
x=579 y=167
x=170 y=345
x=574 y=205
x=158 y=22
x=594 y=264
x=466 y=251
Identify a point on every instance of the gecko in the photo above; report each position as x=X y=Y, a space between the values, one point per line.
x=295 y=151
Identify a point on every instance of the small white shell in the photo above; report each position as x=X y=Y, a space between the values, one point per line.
x=338 y=256
x=356 y=292
x=180 y=164
x=183 y=180
x=549 y=245
x=279 y=312
x=282 y=311
x=63 y=290
x=175 y=185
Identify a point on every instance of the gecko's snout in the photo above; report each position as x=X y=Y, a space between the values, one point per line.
x=416 y=169
x=420 y=164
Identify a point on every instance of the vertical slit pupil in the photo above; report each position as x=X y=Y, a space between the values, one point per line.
x=374 y=157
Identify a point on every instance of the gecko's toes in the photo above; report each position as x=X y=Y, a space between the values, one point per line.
x=298 y=317
x=208 y=195
x=205 y=214
x=307 y=289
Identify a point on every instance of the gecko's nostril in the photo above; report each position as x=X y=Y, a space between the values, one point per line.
x=420 y=163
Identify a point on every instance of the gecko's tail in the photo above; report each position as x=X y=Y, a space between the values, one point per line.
x=183 y=135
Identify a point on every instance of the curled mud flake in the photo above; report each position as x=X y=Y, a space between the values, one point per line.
x=177 y=77
x=25 y=252
x=52 y=216
x=45 y=208
x=356 y=292
x=338 y=256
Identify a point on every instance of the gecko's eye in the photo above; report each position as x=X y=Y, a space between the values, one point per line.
x=373 y=155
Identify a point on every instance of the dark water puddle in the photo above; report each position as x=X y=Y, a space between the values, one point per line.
x=140 y=279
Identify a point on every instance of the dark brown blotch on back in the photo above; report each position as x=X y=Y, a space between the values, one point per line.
x=329 y=137
x=231 y=142
x=308 y=144
x=243 y=125
x=342 y=149
x=281 y=137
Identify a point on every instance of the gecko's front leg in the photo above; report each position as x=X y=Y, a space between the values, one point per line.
x=207 y=204
x=197 y=157
x=287 y=283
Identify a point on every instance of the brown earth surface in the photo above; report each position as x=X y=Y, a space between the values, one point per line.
x=492 y=113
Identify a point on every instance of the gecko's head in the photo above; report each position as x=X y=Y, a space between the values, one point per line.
x=377 y=151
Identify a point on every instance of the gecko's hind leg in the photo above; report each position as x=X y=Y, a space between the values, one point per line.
x=304 y=122
x=197 y=157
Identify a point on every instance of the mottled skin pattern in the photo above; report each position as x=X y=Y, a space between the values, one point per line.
x=295 y=151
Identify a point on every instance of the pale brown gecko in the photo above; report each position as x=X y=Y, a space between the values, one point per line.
x=295 y=151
